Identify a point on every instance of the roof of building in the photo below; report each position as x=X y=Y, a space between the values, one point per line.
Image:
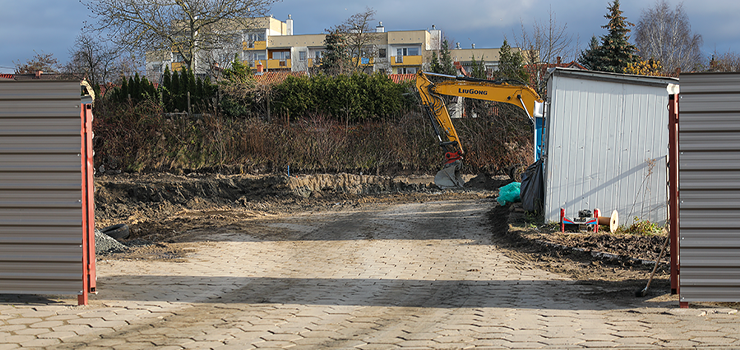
x=402 y=78
x=277 y=77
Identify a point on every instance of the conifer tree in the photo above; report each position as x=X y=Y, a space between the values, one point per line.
x=511 y=65
x=615 y=52
x=166 y=87
x=123 y=91
x=478 y=69
x=175 y=91
x=588 y=57
x=443 y=63
x=135 y=87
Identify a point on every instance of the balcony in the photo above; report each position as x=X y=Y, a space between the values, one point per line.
x=406 y=61
x=277 y=64
x=254 y=45
x=364 y=61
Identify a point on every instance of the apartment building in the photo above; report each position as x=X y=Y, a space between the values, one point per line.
x=271 y=45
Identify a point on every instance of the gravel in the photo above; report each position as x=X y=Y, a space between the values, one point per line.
x=106 y=245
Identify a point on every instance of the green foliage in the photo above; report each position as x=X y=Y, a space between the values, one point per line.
x=336 y=56
x=615 y=52
x=237 y=70
x=352 y=98
x=641 y=227
x=511 y=65
x=588 y=58
x=443 y=63
x=176 y=86
x=478 y=69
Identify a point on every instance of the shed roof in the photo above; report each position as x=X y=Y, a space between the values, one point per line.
x=612 y=77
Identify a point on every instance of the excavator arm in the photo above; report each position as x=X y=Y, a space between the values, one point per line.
x=521 y=96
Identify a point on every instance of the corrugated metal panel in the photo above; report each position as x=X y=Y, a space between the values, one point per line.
x=40 y=188
x=709 y=184
x=607 y=145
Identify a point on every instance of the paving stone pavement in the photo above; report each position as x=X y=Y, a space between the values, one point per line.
x=412 y=276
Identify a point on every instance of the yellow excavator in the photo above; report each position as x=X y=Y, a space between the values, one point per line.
x=489 y=90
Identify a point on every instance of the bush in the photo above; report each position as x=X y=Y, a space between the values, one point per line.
x=359 y=123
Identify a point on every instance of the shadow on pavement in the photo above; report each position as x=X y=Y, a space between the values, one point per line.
x=515 y=294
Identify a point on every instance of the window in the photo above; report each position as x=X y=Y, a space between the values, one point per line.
x=177 y=57
x=302 y=56
x=402 y=70
x=407 y=51
x=255 y=56
x=250 y=38
x=382 y=53
x=280 y=55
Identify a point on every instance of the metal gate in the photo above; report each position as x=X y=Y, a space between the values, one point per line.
x=709 y=187
x=46 y=206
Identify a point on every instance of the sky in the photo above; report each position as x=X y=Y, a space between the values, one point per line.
x=51 y=26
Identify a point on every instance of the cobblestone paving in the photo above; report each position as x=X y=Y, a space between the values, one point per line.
x=413 y=276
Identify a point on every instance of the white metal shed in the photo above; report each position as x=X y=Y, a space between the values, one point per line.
x=606 y=144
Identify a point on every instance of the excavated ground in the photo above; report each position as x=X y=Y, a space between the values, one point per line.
x=167 y=212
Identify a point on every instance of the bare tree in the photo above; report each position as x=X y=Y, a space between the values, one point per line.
x=44 y=62
x=546 y=43
x=664 y=34
x=725 y=62
x=92 y=60
x=185 y=27
x=359 y=39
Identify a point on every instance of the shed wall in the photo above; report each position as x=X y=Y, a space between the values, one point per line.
x=709 y=185
x=40 y=188
x=607 y=146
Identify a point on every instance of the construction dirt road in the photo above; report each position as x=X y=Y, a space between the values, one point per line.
x=344 y=261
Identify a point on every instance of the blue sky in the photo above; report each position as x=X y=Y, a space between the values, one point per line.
x=51 y=26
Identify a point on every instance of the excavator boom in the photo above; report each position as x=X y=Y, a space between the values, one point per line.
x=521 y=96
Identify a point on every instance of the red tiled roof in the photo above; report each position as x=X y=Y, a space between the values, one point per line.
x=402 y=78
x=270 y=78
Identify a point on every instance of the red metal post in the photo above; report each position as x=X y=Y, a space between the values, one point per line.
x=596 y=215
x=562 y=222
x=673 y=189
x=88 y=206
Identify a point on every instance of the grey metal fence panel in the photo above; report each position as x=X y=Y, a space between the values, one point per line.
x=40 y=188
x=709 y=186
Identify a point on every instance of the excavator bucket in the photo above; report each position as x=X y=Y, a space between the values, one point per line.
x=449 y=176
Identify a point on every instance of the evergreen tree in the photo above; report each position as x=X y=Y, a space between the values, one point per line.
x=588 y=57
x=478 y=69
x=511 y=65
x=175 y=92
x=191 y=89
x=135 y=86
x=435 y=67
x=335 y=57
x=443 y=63
x=123 y=91
x=615 y=52
x=446 y=59
x=166 y=88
